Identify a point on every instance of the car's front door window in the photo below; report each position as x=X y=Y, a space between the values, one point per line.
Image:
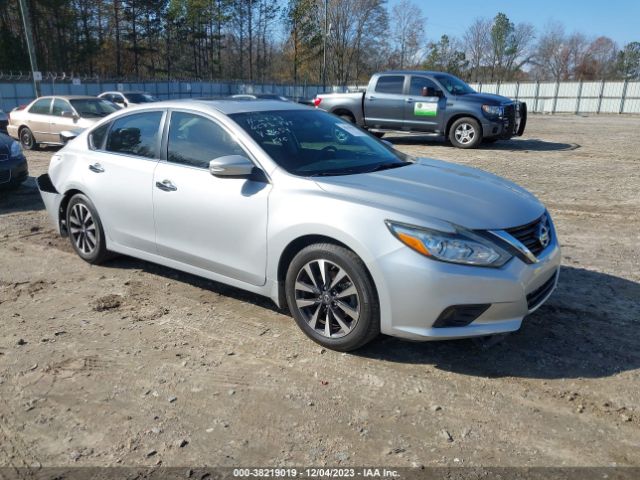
x=195 y=140
x=59 y=107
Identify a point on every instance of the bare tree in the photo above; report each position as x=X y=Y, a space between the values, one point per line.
x=476 y=42
x=356 y=25
x=407 y=32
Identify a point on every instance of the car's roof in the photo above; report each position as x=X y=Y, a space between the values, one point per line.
x=126 y=92
x=415 y=72
x=230 y=106
x=69 y=97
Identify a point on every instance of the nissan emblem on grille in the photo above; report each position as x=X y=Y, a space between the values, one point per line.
x=543 y=234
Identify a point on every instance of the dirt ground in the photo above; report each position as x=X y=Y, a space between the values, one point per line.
x=134 y=364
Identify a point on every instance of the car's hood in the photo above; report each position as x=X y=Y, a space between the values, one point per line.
x=431 y=188
x=488 y=98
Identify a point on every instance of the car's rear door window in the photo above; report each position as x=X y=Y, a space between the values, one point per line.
x=136 y=134
x=98 y=136
x=41 y=106
x=390 y=84
x=195 y=140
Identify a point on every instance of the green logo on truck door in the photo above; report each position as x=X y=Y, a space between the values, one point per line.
x=425 y=109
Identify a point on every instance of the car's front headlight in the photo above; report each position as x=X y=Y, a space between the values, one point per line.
x=463 y=246
x=493 y=110
x=15 y=150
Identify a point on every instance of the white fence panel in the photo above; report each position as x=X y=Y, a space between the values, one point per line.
x=542 y=97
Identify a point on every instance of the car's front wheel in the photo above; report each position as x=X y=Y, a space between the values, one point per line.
x=465 y=132
x=332 y=297
x=85 y=230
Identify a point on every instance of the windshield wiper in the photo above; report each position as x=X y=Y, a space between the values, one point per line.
x=387 y=166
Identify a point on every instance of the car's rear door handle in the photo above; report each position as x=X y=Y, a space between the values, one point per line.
x=408 y=100
x=96 y=167
x=371 y=97
x=166 y=186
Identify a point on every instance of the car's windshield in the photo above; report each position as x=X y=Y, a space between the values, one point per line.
x=93 y=107
x=454 y=85
x=140 y=98
x=315 y=143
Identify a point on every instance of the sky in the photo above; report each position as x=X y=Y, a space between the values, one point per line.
x=617 y=19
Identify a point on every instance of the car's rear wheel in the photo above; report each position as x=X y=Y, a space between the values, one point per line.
x=332 y=298
x=378 y=134
x=27 y=140
x=465 y=133
x=85 y=230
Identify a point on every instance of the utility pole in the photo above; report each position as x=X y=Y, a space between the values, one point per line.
x=324 y=45
x=32 y=54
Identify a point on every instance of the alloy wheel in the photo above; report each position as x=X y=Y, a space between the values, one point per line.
x=83 y=229
x=465 y=133
x=327 y=298
x=26 y=139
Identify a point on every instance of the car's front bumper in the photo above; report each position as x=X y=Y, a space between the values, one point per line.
x=511 y=124
x=416 y=291
x=13 y=171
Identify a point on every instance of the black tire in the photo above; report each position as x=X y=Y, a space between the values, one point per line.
x=347 y=117
x=89 y=243
x=364 y=301
x=465 y=124
x=27 y=140
x=378 y=134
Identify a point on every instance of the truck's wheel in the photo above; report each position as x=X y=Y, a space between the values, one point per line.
x=347 y=118
x=465 y=132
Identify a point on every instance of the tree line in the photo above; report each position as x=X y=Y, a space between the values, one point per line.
x=284 y=41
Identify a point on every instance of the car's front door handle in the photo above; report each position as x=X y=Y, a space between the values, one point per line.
x=96 y=167
x=372 y=98
x=408 y=100
x=166 y=186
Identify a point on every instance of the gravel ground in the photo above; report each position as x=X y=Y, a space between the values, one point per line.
x=135 y=364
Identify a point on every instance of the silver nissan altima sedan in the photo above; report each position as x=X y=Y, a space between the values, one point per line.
x=283 y=200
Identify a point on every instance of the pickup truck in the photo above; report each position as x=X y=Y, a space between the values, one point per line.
x=428 y=102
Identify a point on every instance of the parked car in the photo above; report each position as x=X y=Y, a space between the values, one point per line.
x=13 y=164
x=259 y=96
x=429 y=102
x=296 y=204
x=4 y=121
x=128 y=99
x=42 y=121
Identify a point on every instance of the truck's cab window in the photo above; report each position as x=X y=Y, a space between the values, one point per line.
x=390 y=84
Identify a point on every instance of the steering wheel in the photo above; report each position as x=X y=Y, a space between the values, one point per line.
x=329 y=150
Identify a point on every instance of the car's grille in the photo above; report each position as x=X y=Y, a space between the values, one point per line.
x=529 y=235
x=5 y=176
x=510 y=118
x=539 y=294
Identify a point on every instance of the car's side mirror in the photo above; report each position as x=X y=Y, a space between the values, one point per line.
x=69 y=114
x=231 y=166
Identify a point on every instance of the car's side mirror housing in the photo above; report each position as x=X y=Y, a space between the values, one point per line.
x=69 y=114
x=231 y=166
